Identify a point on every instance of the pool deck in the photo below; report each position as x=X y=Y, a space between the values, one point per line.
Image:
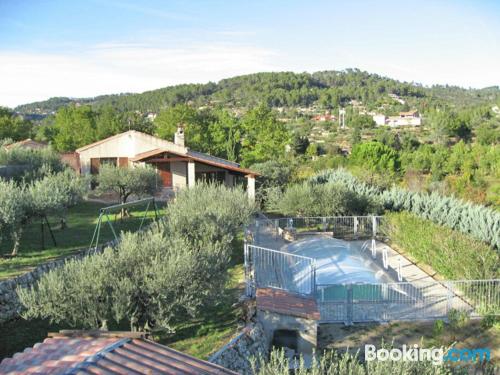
x=434 y=298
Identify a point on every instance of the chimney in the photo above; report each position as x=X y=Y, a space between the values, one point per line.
x=179 y=135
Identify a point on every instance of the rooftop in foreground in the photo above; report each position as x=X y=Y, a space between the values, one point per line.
x=80 y=352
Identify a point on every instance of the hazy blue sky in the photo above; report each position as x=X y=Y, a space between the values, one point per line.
x=86 y=48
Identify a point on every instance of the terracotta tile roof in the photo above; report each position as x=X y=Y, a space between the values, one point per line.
x=105 y=355
x=283 y=302
x=197 y=156
x=27 y=143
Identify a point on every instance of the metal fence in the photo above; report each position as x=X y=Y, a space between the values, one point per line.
x=267 y=268
x=353 y=303
x=346 y=227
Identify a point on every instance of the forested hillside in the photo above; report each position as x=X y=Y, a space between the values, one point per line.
x=286 y=89
x=286 y=125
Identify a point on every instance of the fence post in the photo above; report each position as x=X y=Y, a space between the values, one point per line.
x=449 y=298
x=374 y=226
x=355 y=227
x=349 y=305
x=245 y=258
x=276 y=226
x=400 y=276
x=324 y=224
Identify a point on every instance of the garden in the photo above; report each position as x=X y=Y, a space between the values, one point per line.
x=151 y=280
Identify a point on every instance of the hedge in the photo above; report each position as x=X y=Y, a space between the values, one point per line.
x=450 y=253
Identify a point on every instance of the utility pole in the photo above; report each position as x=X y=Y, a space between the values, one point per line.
x=342 y=118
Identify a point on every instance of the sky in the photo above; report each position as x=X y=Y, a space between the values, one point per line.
x=87 y=48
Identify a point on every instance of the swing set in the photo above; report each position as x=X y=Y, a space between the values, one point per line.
x=106 y=213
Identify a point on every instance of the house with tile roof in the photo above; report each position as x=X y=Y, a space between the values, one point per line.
x=178 y=166
x=97 y=352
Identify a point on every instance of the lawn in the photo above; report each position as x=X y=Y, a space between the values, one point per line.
x=81 y=222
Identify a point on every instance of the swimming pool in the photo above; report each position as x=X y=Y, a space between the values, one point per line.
x=340 y=262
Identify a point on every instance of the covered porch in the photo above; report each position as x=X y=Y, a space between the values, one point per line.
x=178 y=171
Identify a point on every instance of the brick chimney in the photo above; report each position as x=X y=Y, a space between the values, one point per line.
x=179 y=135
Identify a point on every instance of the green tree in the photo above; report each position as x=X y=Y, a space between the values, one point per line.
x=376 y=157
x=108 y=122
x=154 y=278
x=12 y=212
x=140 y=181
x=265 y=137
x=13 y=126
x=224 y=132
x=76 y=127
x=169 y=119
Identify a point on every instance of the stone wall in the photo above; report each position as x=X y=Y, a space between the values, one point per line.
x=236 y=354
x=9 y=302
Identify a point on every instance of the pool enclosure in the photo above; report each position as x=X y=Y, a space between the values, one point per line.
x=343 y=263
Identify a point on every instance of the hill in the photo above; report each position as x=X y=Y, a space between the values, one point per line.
x=327 y=89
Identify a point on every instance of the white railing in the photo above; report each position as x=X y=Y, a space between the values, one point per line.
x=267 y=268
x=339 y=226
x=352 y=303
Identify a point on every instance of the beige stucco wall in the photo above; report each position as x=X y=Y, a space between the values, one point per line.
x=127 y=144
x=179 y=174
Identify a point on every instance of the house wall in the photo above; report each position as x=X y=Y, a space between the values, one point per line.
x=127 y=145
x=179 y=174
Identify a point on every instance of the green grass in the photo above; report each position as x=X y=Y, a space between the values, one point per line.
x=81 y=222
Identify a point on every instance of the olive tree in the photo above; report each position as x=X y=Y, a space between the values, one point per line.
x=12 y=212
x=20 y=204
x=127 y=181
x=153 y=279
x=323 y=200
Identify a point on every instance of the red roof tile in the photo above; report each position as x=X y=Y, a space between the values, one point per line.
x=283 y=302
x=105 y=355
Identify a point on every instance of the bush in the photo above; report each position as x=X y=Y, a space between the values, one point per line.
x=153 y=279
x=452 y=254
x=478 y=221
x=332 y=363
x=322 y=200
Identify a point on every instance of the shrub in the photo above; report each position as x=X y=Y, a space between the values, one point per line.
x=458 y=319
x=332 y=363
x=452 y=254
x=322 y=200
x=438 y=328
x=153 y=279
x=478 y=221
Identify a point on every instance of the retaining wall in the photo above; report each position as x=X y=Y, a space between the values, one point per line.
x=252 y=341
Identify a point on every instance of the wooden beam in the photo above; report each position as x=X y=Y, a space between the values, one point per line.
x=166 y=160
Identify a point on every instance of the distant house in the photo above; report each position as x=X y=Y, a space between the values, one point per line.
x=324 y=118
x=178 y=166
x=410 y=118
x=94 y=352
